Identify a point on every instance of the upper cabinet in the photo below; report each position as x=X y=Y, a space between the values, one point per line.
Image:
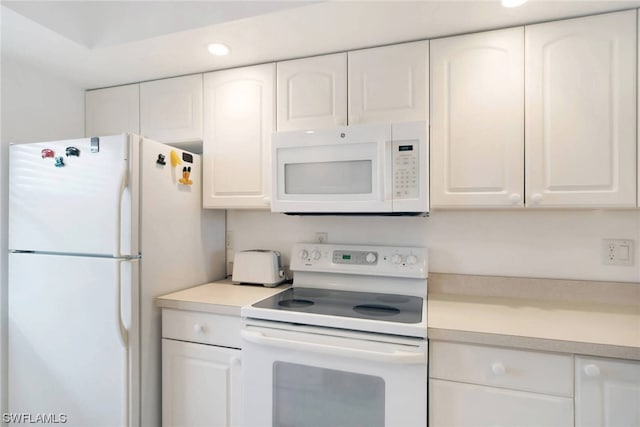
x=238 y=121
x=389 y=83
x=168 y=110
x=113 y=110
x=540 y=116
x=580 y=111
x=171 y=109
x=379 y=85
x=571 y=93
x=477 y=120
x=312 y=92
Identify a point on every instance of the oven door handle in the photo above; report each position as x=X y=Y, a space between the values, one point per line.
x=395 y=356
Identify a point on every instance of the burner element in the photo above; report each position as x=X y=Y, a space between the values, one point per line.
x=295 y=303
x=376 y=310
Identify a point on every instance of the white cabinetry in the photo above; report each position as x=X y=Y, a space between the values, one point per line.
x=473 y=385
x=382 y=85
x=607 y=392
x=477 y=120
x=312 y=92
x=459 y=404
x=576 y=79
x=112 y=111
x=580 y=103
x=200 y=372
x=389 y=83
x=171 y=109
x=238 y=122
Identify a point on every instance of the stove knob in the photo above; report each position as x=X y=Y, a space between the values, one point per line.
x=411 y=259
x=370 y=258
x=396 y=259
x=315 y=254
x=304 y=254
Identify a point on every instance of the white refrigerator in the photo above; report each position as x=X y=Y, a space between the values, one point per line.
x=99 y=227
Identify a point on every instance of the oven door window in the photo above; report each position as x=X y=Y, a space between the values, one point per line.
x=305 y=396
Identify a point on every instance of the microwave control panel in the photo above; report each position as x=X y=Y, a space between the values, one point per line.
x=406 y=171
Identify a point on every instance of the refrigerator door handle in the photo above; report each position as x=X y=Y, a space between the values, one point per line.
x=125 y=296
x=121 y=211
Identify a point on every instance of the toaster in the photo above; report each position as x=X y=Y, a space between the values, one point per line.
x=258 y=266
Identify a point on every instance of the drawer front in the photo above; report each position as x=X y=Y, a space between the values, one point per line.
x=457 y=404
x=205 y=328
x=500 y=367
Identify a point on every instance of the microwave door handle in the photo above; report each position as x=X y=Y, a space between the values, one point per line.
x=395 y=356
x=386 y=171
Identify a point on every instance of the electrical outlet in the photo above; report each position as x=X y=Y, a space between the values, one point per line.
x=618 y=251
x=229 y=240
x=322 y=236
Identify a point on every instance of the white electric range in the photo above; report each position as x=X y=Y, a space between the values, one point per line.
x=345 y=346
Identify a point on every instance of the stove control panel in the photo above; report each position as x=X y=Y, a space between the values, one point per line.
x=356 y=259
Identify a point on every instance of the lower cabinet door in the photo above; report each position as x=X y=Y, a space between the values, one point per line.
x=458 y=404
x=200 y=385
x=607 y=392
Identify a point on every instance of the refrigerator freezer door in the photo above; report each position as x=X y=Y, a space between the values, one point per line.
x=72 y=196
x=69 y=321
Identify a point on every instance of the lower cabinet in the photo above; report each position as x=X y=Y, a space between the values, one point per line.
x=200 y=380
x=474 y=385
x=607 y=392
x=459 y=404
x=200 y=384
x=478 y=385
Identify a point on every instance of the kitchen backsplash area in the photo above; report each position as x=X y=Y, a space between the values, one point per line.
x=564 y=244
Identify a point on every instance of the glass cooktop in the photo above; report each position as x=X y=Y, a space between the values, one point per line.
x=361 y=305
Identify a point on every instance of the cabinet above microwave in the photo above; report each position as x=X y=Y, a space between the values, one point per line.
x=380 y=169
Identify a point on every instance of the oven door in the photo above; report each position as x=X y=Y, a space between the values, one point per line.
x=307 y=376
x=345 y=169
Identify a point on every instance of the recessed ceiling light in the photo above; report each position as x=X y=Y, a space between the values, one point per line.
x=513 y=3
x=218 y=49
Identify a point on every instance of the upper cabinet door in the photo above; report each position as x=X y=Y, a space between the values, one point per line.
x=477 y=120
x=389 y=84
x=312 y=92
x=171 y=109
x=581 y=111
x=239 y=121
x=113 y=110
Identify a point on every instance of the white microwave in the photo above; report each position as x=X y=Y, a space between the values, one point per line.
x=378 y=169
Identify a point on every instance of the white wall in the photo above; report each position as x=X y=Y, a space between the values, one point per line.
x=35 y=107
x=550 y=244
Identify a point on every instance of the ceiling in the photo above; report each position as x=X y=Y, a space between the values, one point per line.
x=97 y=24
x=104 y=43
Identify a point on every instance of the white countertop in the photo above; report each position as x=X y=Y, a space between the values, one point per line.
x=486 y=310
x=222 y=297
x=608 y=329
